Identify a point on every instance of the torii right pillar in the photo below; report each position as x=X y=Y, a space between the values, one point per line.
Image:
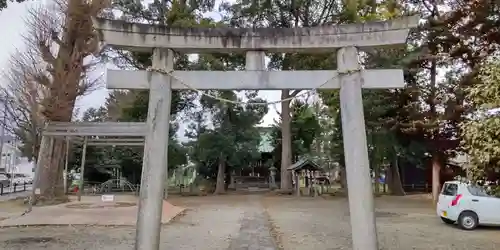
x=360 y=191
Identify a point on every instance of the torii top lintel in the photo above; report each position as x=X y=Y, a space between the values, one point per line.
x=145 y=37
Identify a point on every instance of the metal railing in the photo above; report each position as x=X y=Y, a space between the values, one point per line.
x=14 y=188
x=107 y=187
x=422 y=187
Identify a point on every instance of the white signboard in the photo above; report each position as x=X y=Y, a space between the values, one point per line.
x=107 y=198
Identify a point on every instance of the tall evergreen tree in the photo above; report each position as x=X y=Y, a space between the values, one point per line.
x=481 y=133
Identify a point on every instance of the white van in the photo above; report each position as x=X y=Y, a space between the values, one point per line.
x=467 y=205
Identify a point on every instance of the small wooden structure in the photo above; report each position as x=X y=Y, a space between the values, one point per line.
x=304 y=174
x=87 y=134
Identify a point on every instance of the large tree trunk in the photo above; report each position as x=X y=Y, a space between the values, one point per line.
x=41 y=169
x=394 y=178
x=221 y=174
x=436 y=181
x=51 y=172
x=51 y=181
x=63 y=81
x=286 y=142
x=433 y=96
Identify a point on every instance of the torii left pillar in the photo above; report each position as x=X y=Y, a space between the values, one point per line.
x=154 y=171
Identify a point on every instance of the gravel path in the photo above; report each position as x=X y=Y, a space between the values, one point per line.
x=207 y=228
x=245 y=222
x=255 y=231
x=402 y=225
x=211 y=224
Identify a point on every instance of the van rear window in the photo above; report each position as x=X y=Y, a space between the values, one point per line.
x=450 y=189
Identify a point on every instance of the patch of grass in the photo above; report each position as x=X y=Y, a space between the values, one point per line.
x=274 y=231
x=283 y=192
x=97 y=206
x=29 y=240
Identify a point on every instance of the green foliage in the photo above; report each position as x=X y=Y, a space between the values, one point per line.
x=138 y=110
x=481 y=133
x=486 y=93
x=95 y=156
x=305 y=125
x=180 y=14
x=233 y=137
x=397 y=121
x=382 y=108
x=305 y=129
x=95 y=115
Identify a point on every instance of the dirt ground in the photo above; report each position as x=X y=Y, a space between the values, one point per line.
x=268 y=223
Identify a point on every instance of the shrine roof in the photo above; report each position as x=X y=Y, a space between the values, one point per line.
x=305 y=164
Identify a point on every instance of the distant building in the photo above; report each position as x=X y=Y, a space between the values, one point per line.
x=11 y=158
x=265 y=145
x=256 y=175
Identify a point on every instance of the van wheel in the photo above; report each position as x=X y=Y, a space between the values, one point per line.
x=468 y=220
x=447 y=221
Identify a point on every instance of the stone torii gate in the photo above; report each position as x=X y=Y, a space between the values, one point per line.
x=350 y=78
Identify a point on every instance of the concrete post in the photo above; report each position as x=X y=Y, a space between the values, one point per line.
x=66 y=161
x=361 y=203
x=297 y=183
x=81 y=185
x=272 y=180
x=155 y=161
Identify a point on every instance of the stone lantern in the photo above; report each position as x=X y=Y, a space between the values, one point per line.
x=272 y=178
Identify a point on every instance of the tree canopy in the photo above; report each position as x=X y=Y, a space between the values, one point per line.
x=445 y=108
x=481 y=132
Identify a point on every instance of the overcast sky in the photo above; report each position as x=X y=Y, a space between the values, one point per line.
x=13 y=28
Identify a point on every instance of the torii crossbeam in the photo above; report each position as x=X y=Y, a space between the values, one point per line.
x=163 y=41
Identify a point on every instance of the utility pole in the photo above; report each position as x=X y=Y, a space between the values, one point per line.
x=2 y=133
x=12 y=157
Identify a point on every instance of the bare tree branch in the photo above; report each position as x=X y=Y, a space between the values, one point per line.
x=47 y=78
x=21 y=99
